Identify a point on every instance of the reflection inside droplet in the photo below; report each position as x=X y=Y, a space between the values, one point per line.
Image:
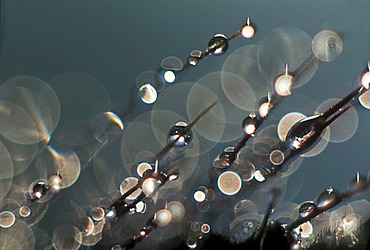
x=148 y=94
x=97 y=213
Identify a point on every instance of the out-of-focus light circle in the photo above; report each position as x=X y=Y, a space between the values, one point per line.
x=364 y=100
x=192 y=243
x=142 y=167
x=97 y=213
x=169 y=76
x=284 y=84
x=85 y=225
x=305 y=229
x=327 y=46
x=218 y=45
x=177 y=210
x=7 y=219
x=247 y=31
x=149 y=185
x=127 y=184
x=116 y=247
x=286 y=122
x=148 y=94
x=163 y=217
x=365 y=80
x=24 y=211
x=199 y=196
x=229 y=183
x=277 y=157
x=67 y=237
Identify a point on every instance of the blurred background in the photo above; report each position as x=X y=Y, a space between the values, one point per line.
x=74 y=60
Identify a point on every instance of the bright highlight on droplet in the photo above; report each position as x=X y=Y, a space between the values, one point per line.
x=229 y=183
x=148 y=94
x=163 y=217
x=199 y=196
x=169 y=76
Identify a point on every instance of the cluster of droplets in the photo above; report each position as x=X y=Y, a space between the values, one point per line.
x=327 y=200
x=171 y=66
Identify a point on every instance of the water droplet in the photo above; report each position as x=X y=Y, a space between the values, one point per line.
x=250 y=124
x=194 y=57
x=307 y=210
x=218 y=45
x=148 y=94
x=327 y=199
x=179 y=135
x=38 y=189
x=305 y=133
x=247 y=31
x=225 y=158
